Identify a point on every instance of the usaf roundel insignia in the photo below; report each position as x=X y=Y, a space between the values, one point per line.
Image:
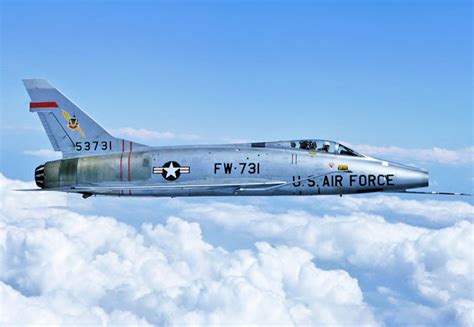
x=171 y=170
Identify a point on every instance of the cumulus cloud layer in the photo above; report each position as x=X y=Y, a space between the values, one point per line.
x=441 y=212
x=62 y=267
x=339 y=267
x=436 y=266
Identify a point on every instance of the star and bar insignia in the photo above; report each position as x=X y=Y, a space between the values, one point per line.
x=171 y=170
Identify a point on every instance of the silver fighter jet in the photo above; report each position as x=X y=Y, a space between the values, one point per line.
x=96 y=163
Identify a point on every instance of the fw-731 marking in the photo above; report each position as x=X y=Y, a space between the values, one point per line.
x=241 y=168
x=96 y=163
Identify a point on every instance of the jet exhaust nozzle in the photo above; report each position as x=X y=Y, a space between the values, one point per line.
x=39 y=176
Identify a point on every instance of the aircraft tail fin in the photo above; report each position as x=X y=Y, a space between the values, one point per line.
x=69 y=129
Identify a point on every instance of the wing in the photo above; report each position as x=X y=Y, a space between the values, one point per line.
x=241 y=187
x=237 y=186
x=261 y=186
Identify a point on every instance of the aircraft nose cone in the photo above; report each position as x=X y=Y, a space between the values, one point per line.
x=424 y=178
x=407 y=177
x=417 y=178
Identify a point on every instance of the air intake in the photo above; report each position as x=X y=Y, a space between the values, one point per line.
x=39 y=176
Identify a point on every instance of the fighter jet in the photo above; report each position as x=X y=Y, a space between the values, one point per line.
x=96 y=163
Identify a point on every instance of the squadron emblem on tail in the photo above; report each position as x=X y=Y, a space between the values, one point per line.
x=73 y=123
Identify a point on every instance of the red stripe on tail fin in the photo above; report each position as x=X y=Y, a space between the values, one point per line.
x=43 y=105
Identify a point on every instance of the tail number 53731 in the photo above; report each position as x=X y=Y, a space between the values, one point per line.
x=93 y=146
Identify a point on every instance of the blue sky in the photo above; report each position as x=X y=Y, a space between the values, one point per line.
x=392 y=78
x=392 y=73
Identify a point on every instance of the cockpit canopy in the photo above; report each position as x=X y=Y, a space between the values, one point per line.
x=323 y=146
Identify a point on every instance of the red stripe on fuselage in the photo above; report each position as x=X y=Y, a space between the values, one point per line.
x=43 y=105
x=121 y=158
x=129 y=157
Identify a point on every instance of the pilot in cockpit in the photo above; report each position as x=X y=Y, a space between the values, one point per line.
x=325 y=147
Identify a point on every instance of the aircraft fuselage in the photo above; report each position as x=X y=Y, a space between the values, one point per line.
x=239 y=169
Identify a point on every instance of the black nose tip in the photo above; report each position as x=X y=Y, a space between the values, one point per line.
x=39 y=176
x=420 y=178
x=426 y=179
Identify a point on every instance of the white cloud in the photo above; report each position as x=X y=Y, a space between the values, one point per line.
x=442 y=212
x=43 y=153
x=464 y=156
x=60 y=267
x=145 y=134
x=167 y=273
x=57 y=309
x=434 y=265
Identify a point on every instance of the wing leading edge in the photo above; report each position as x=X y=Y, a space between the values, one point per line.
x=241 y=187
x=104 y=189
